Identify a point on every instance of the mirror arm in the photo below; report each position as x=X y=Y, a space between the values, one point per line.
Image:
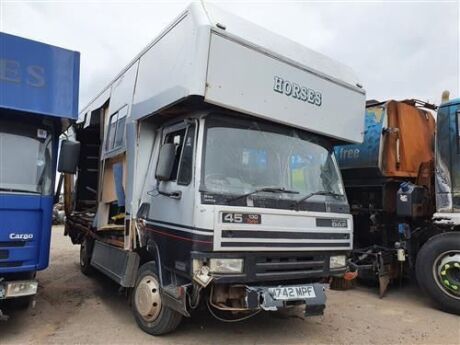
x=57 y=192
x=174 y=195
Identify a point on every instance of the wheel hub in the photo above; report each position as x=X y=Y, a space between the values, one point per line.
x=449 y=273
x=147 y=298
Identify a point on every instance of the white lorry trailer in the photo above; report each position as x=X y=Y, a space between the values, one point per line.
x=206 y=172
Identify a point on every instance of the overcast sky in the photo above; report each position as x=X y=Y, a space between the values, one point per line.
x=399 y=49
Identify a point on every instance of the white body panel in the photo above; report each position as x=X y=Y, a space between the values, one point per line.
x=235 y=67
x=273 y=220
x=285 y=221
x=248 y=80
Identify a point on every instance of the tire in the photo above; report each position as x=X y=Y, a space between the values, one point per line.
x=86 y=251
x=150 y=314
x=437 y=253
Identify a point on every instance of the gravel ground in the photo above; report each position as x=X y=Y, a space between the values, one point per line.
x=72 y=308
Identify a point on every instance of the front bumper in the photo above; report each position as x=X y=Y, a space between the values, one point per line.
x=313 y=305
x=446 y=219
x=18 y=288
x=272 y=267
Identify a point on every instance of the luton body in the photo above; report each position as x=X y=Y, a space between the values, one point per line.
x=38 y=100
x=403 y=187
x=207 y=177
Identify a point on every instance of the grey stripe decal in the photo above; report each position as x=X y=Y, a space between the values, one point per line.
x=281 y=245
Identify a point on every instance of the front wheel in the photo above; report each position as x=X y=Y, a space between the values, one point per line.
x=438 y=270
x=151 y=314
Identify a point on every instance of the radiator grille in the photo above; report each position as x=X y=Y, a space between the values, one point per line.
x=243 y=239
x=10 y=244
x=292 y=266
x=11 y=264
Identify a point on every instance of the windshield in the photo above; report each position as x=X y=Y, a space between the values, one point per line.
x=243 y=155
x=25 y=158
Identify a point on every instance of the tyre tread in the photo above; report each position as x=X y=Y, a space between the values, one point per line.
x=423 y=269
x=167 y=321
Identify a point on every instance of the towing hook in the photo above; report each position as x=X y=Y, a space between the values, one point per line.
x=349 y=275
x=352 y=266
x=352 y=271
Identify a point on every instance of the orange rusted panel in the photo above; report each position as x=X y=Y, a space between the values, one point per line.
x=408 y=140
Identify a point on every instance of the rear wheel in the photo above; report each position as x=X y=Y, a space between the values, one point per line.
x=438 y=270
x=86 y=250
x=151 y=314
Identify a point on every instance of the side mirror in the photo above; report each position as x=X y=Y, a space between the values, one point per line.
x=165 y=162
x=68 y=157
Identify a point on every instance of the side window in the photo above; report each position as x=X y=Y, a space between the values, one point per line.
x=186 y=162
x=112 y=131
x=119 y=136
x=116 y=131
x=176 y=138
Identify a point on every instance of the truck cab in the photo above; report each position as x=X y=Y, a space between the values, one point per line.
x=403 y=185
x=438 y=262
x=207 y=176
x=38 y=101
x=448 y=163
x=245 y=189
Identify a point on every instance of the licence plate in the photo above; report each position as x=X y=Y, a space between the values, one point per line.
x=287 y=293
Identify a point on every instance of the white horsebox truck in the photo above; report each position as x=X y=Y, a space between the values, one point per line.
x=205 y=173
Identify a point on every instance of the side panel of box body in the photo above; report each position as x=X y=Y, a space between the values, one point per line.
x=173 y=68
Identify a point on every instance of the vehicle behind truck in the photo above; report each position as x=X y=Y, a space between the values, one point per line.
x=206 y=173
x=403 y=184
x=38 y=99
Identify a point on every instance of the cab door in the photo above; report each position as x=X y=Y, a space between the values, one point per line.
x=448 y=158
x=172 y=205
x=455 y=155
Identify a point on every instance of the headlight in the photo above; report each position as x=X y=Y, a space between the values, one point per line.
x=226 y=265
x=338 y=261
x=21 y=288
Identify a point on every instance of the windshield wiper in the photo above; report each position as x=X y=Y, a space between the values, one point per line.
x=264 y=189
x=308 y=196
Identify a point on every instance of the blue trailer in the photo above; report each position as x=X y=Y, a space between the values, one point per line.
x=38 y=100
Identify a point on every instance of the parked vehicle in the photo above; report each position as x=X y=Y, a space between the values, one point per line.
x=403 y=183
x=38 y=99
x=206 y=173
